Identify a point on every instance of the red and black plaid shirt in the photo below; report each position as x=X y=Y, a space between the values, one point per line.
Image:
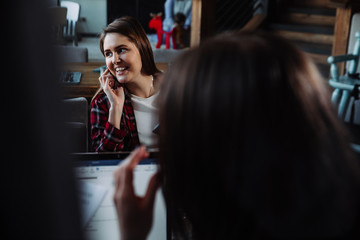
x=105 y=137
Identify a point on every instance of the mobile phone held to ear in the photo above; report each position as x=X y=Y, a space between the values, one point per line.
x=117 y=83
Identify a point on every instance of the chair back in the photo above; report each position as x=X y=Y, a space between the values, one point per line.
x=76 y=121
x=72 y=16
x=72 y=54
x=58 y=22
x=73 y=10
x=58 y=15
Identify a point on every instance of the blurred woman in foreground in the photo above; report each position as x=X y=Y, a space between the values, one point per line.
x=250 y=146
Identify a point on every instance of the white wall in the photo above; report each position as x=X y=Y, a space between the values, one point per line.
x=94 y=14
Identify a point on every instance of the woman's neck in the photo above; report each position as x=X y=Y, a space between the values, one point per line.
x=144 y=87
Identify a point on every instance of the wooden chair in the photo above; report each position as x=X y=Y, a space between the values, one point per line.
x=345 y=84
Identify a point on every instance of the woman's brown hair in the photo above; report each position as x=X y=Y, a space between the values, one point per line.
x=250 y=144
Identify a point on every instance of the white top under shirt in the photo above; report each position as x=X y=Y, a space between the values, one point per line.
x=146 y=115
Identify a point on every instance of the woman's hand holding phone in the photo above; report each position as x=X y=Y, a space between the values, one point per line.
x=112 y=88
x=115 y=93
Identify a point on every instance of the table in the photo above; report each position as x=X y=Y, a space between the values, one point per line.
x=89 y=82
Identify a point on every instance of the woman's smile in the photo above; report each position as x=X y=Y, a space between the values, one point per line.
x=120 y=71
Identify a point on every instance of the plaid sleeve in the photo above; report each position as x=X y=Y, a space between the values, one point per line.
x=105 y=137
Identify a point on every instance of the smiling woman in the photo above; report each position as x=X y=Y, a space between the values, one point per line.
x=123 y=111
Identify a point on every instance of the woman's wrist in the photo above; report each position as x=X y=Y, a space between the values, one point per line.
x=115 y=113
x=116 y=106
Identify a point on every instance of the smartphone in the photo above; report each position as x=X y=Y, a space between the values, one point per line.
x=117 y=84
